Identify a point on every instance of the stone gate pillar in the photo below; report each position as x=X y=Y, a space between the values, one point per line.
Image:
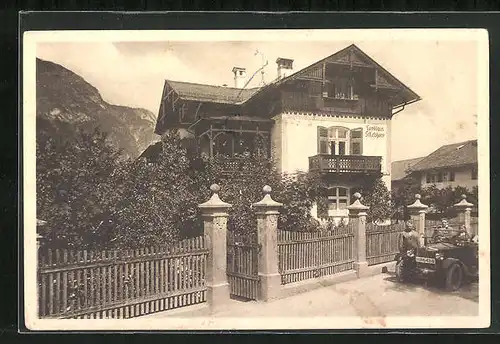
x=267 y=211
x=464 y=210
x=214 y=213
x=357 y=219
x=417 y=211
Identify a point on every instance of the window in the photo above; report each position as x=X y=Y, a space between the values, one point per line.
x=340 y=88
x=444 y=176
x=182 y=112
x=433 y=178
x=474 y=174
x=440 y=177
x=340 y=141
x=341 y=148
x=338 y=200
x=337 y=136
x=357 y=141
x=323 y=140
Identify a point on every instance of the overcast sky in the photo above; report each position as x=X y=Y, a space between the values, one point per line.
x=443 y=73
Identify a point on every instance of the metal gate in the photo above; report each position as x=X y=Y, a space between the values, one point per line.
x=242 y=265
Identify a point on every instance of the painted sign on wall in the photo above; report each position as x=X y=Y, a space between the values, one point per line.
x=375 y=131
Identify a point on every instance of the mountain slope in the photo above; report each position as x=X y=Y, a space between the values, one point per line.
x=62 y=95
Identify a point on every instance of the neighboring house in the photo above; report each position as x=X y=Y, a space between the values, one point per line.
x=400 y=169
x=450 y=165
x=332 y=117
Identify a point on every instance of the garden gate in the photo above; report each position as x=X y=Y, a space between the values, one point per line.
x=243 y=264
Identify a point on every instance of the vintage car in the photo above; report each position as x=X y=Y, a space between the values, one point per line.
x=448 y=259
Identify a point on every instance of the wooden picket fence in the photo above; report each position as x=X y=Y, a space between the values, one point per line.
x=121 y=284
x=382 y=242
x=306 y=255
x=243 y=264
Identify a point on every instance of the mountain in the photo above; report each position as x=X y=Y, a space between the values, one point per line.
x=63 y=97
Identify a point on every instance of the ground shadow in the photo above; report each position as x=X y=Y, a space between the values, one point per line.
x=468 y=291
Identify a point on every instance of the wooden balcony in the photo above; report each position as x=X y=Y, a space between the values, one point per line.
x=240 y=165
x=326 y=163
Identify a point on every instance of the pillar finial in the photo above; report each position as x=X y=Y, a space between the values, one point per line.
x=417 y=205
x=267 y=189
x=463 y=204
x=267 y=203
x=214 y=202
x=357 y=206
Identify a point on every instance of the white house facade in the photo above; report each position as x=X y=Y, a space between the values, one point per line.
x=332 y=118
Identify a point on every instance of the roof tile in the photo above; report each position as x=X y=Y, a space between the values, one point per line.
x=211 y=93
x=456 y=154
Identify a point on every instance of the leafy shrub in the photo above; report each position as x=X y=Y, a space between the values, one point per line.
x=79 y=182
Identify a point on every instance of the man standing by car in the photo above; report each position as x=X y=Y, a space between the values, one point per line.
x=409 y=242
x=409 y=239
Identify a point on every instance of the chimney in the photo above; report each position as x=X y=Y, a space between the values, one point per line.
x=240 y=75
x=285 y=67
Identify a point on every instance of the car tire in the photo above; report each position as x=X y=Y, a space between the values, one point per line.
x=454 y=277
x=400 y=273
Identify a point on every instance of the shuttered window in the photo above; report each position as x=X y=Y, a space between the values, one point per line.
x=322 y=140
x=357 y=141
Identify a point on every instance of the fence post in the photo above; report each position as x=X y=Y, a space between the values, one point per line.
x=464 y=209
x=215 y=213
x=357 y=218
x=267 y=211
x=417 y=211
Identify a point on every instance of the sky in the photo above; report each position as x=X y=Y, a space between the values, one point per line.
x=443 y=72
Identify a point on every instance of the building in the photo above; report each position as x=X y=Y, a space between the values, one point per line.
x=332 y=117
x=450 y=165
x=400 y=169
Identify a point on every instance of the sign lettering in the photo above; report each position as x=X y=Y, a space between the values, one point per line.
x=375 y=131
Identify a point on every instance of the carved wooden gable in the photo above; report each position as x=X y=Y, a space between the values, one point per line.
x=315 y=72
x=382 y=82
x=350 y=57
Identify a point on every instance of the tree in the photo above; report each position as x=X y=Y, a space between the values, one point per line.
x=79 y=181
x=377 y=196
x=162 y=196
x=403 y=196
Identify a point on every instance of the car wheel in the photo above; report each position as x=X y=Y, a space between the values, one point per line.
x=454 y=277
x=400 y=273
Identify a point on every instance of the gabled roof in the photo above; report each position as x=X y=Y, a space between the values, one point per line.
x=452 y=155
x=342 y=55
x=399 y=169
x=237 y=96
x=211 y=93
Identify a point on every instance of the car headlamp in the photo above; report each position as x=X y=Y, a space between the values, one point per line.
x=439 y=256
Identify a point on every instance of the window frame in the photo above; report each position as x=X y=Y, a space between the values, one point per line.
x=336 y=199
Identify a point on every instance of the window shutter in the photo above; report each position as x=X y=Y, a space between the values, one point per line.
x=356 y=141
x=322 y=140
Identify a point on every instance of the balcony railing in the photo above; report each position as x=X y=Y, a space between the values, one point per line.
x=345 y=163
x=240 y=165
